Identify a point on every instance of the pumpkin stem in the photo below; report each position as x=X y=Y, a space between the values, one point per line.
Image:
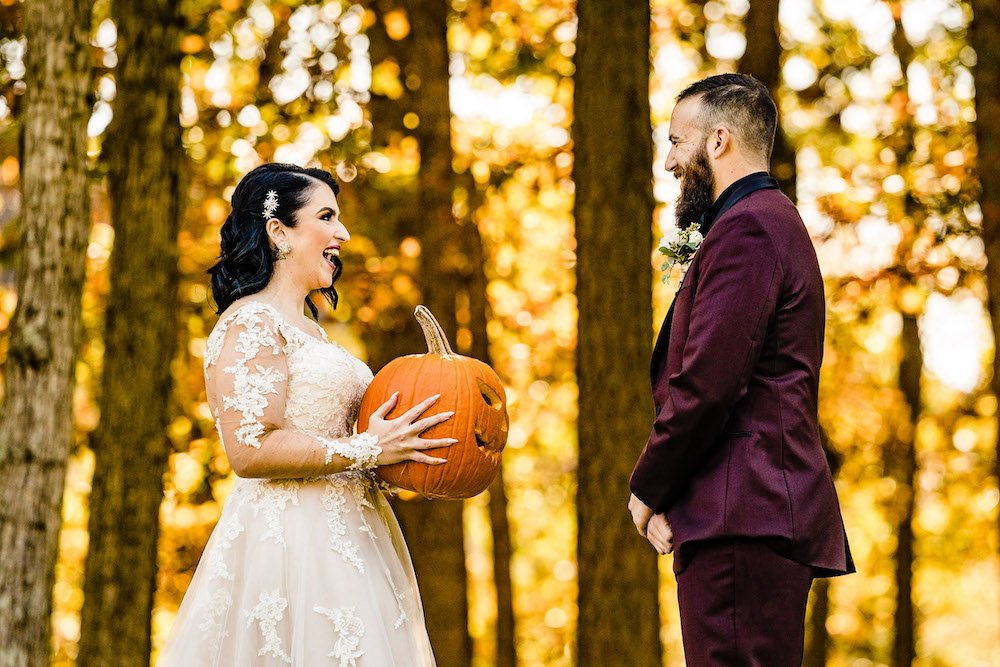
x=437 y=341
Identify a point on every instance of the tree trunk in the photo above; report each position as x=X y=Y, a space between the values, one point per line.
x=500 y=524
x=36 y=421
x=613 y=211
x=475 y=286
x=762 y=60
x=144 y=157
x=818 y=644
x=433 y=529
x=905 y=463
x=984 y=35
x=396 y=209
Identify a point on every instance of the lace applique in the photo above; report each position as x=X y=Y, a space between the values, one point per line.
x=363 y=449
x=218 y=424
x=227 y=529
x=402 y=618
x=269 y=497
x=213 y=347
x=360 y=492
x=247 y=315
x=335 y=505
x=325 y=389
x=350 y=629
x=212 y=628
x=269 y=610
x=250 y=389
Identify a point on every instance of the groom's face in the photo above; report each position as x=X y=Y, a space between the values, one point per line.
x=688 y=161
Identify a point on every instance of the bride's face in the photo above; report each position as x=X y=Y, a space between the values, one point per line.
x=316 y=238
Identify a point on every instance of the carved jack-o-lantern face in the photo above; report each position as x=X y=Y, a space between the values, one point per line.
x=470 y=389
x=491 y=419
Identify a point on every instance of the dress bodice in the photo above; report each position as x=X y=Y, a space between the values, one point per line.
x=324 y=383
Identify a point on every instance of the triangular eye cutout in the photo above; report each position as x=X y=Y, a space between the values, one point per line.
x=489 y=395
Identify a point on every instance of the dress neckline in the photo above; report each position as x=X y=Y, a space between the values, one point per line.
x=283 y=320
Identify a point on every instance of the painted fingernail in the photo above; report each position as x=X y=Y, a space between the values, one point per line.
x=452 y=440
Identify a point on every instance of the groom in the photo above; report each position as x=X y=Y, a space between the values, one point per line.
x=733 y=476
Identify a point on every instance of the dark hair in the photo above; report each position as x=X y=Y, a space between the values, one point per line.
x=741 y=103
x=246 y=259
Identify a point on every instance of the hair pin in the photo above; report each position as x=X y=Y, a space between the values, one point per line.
x=270 y=205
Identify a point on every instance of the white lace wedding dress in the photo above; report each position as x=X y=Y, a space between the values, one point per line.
x=304 y=567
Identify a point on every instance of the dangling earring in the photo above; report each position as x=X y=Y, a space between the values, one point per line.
x=283 y=249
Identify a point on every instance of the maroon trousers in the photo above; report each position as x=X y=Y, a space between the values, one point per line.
x=742 y=604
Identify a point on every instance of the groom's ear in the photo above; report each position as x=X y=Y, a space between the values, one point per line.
x=719 y=141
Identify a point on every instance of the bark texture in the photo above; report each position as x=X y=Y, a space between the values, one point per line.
x=984 y=35
x=36 y=420
x=144 y=156
x=762 y=60
x=613 y=211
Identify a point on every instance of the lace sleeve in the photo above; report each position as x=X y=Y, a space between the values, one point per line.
x=249 y=375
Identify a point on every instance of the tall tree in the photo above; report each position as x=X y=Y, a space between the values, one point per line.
x=901 y=459
x=762 y=60
x=36 y=420
x=904 y=464
x=144 y=155
x=984 y=35
x=613 y=210
x=433 y=529
x=474 y=286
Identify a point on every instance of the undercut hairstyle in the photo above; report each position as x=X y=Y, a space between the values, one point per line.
x=246 y=258
x=741 y=104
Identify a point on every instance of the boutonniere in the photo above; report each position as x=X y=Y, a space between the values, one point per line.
x=679 y=246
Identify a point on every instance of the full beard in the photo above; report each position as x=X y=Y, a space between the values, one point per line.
x=697 y=191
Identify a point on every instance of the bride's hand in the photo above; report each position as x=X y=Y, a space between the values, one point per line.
x=400 y=438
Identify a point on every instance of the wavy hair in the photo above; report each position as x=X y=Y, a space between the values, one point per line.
x=246 y=258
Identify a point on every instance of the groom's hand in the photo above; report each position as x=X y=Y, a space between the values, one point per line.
x=659 y=534
x=640 y=514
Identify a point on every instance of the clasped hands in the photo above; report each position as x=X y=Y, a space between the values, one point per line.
x=654 y=527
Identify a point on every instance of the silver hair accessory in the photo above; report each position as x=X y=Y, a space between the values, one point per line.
x=283 y=249
x=270 y=205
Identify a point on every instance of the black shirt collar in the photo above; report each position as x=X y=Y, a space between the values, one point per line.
x=760 y=180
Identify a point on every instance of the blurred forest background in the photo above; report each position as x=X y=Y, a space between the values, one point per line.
x=501 y=162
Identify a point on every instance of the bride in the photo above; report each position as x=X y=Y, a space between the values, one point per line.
x=306 y=565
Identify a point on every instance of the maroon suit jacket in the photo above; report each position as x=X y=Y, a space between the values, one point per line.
x=735 y=448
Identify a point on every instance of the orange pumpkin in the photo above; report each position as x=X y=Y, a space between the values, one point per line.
x=469 y=388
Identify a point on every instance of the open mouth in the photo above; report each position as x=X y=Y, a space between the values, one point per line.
x=329 y=254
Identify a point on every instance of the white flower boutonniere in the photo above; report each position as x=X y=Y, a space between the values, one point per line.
x=679 y=246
